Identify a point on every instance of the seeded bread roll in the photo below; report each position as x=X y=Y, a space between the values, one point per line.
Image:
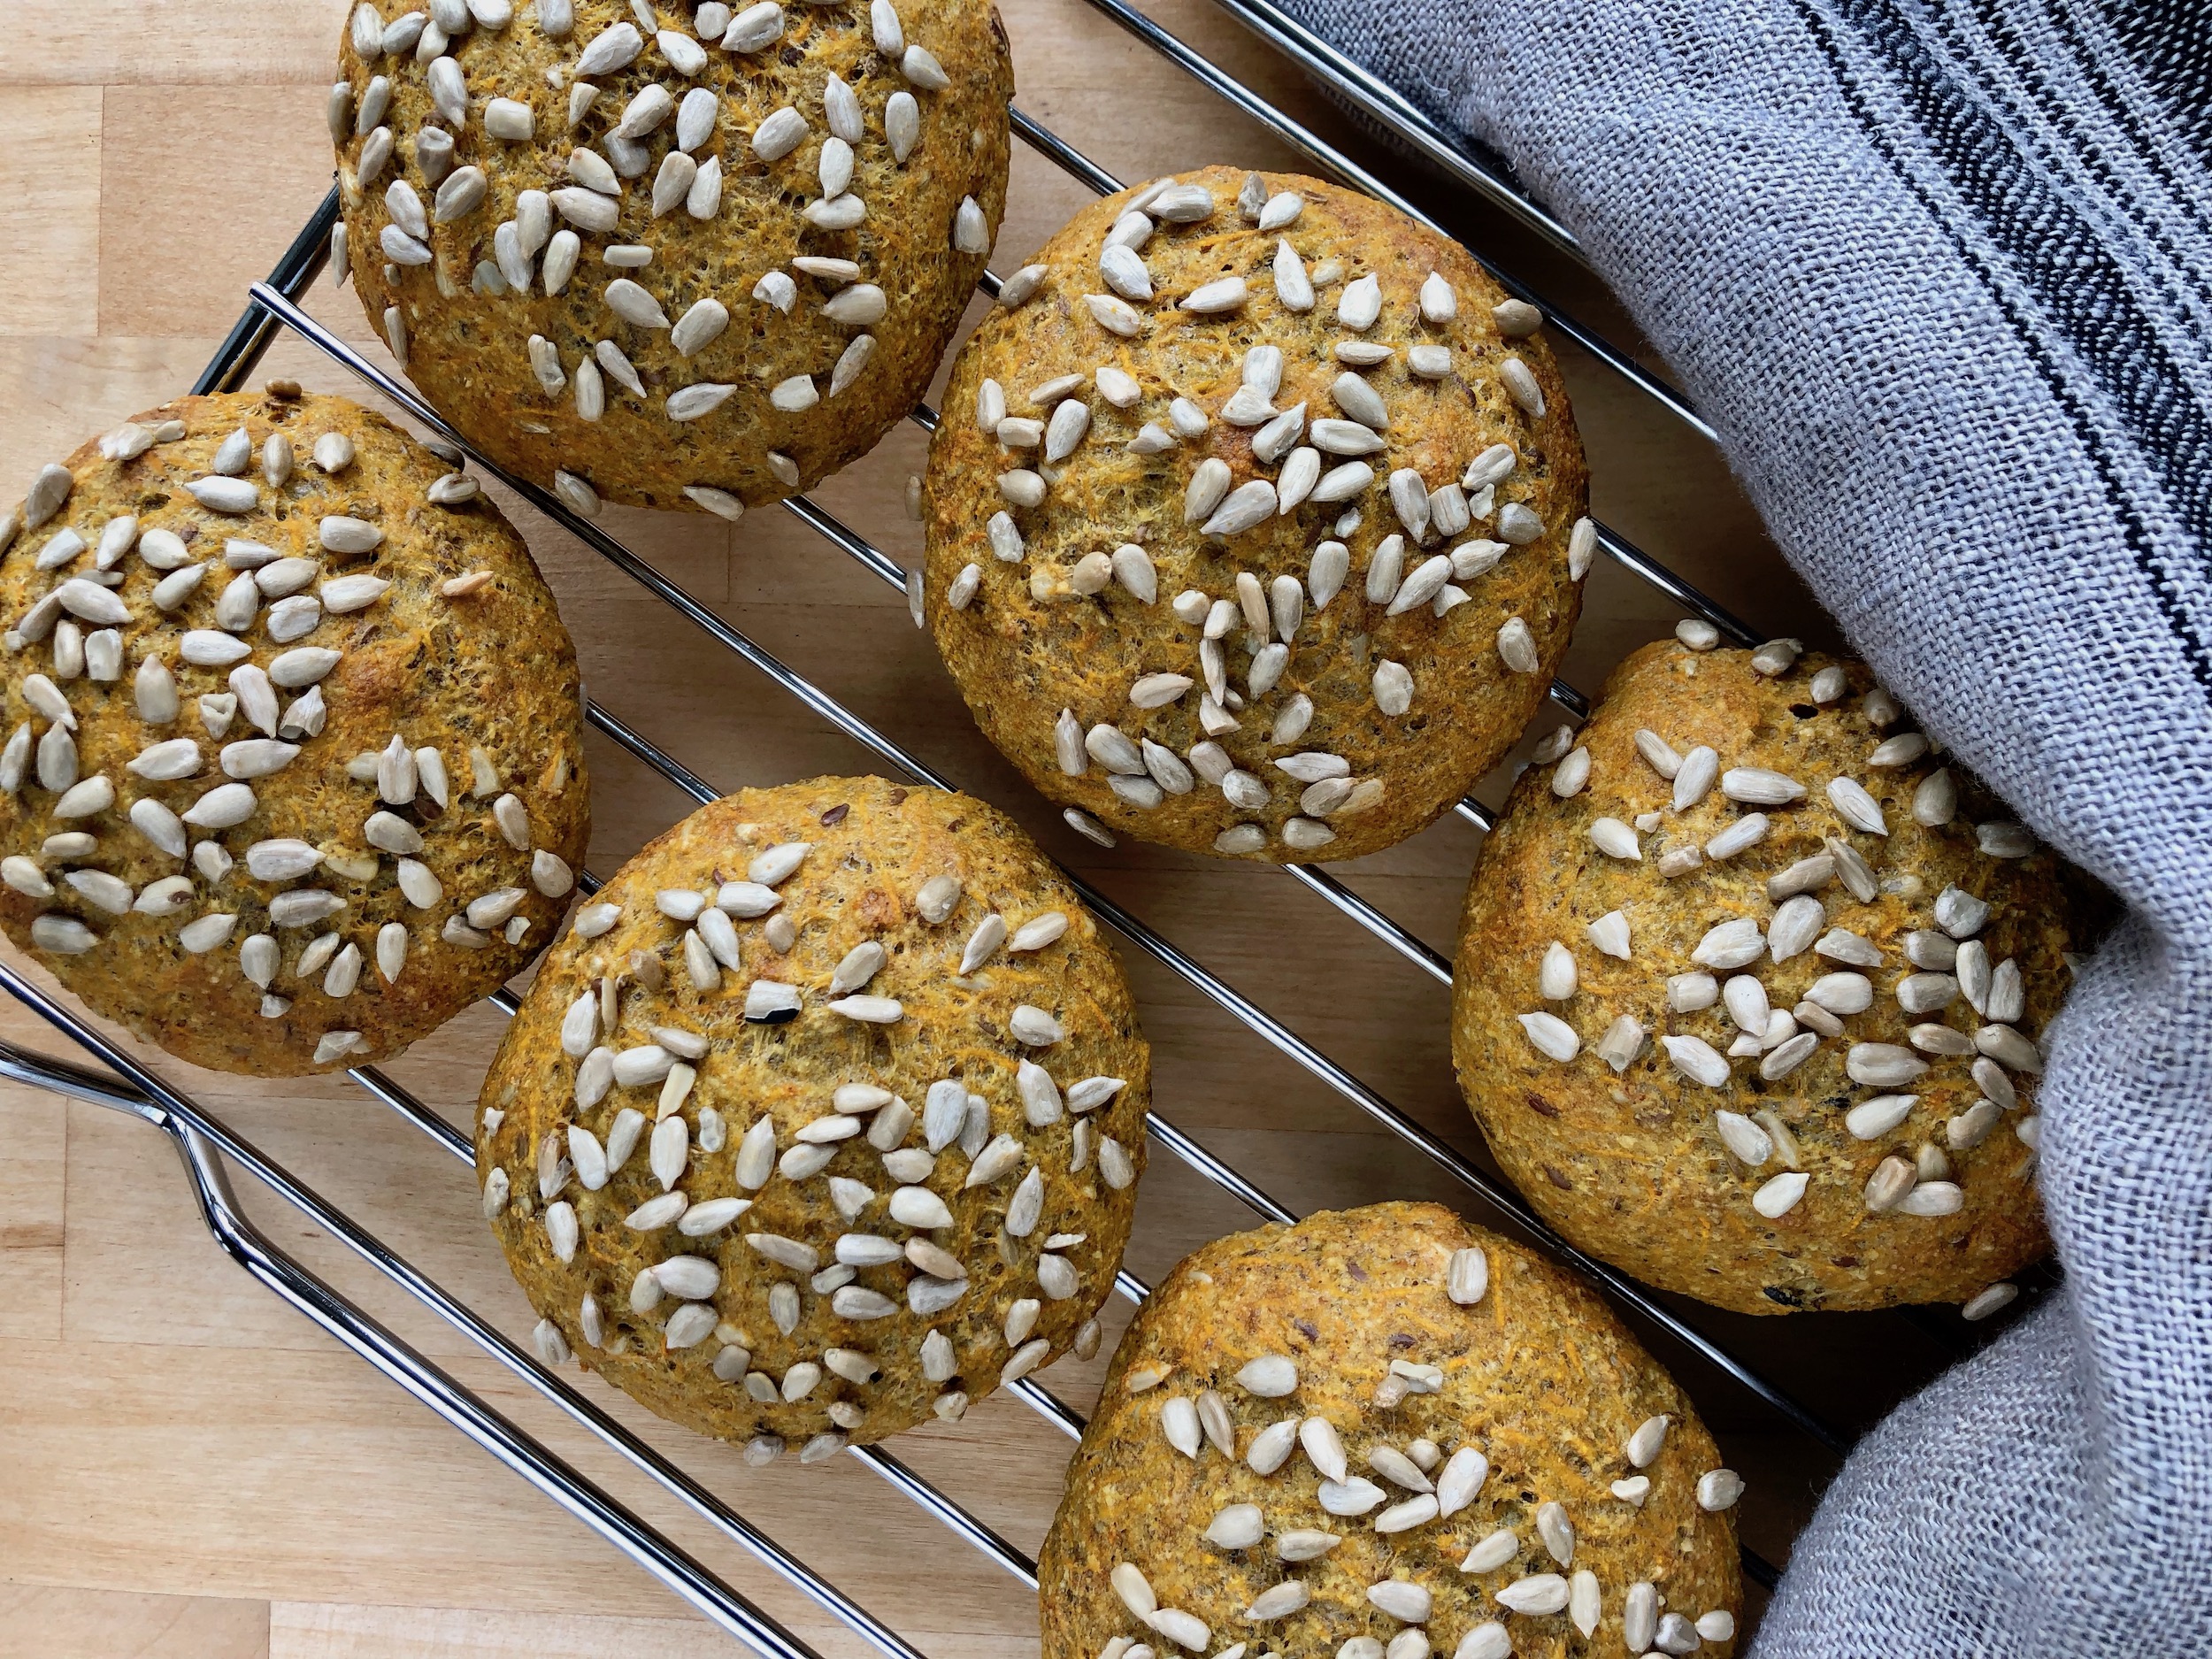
x=701 y=265
x=1255 y=519
x=294 y=770
x=1384 y=1432
x=1749 y=986
x=826 y=1116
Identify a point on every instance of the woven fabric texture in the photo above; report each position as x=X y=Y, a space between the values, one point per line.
x=1941 y=276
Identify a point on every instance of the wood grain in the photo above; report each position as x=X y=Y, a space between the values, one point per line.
x=191 y=1468
x=51 y=177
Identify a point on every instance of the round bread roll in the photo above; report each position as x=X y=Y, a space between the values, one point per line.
x=699 y=264
x=1383 y=1431
x=825 y=1117
x=294 y=763
x=1254 y=518
x=1749 y=985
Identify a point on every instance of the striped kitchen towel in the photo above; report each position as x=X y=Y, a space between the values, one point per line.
x=1941 y=274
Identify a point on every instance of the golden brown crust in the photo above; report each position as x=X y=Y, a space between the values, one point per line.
x=1030 y=643
x=872 y=846
x=469 y=350
x=490 y=671
x=1633 y=1167
x=1537 y=1378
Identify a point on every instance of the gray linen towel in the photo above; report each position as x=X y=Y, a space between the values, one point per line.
x=1941 y=275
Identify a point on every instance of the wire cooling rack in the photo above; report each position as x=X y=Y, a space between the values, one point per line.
x=210 y=1148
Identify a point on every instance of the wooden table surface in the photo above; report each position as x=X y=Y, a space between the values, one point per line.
x=188 y=1468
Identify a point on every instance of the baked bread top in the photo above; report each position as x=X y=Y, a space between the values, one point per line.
x=1750 y=983
x=674 y=258
x=1254 y=518
x=1384 y=1431
x=825 y=1117
x=294 y=764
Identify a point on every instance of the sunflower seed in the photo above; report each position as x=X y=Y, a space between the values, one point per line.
x=1926 y=992
x=845 y=370
x=1342 y=437
x=1522 y=385
x=671 y=185
x=1293 y=286
x=153 y=820
x=1129 y=1583
x=692 y=403
x=301 y=666
x=1901 y=750
x=613 y=47
x=1657 y=753
x=1179 y=1424
x=1746 y=1000
x=1022 y=488
x=1735 y=943
x=784 y=1252
x=2005 y=999
x=1553 y=745
x=1403 y=1516
x=86 y=799
x=1841 y=993
x=1410 y=499
x=103 y=655
x=2008 y=1049
x=1872 y=1119
x=1271 y=1375
x=1760 y=787
x=1400 y=1598
x=1746 y=831
x=1696 y=1060
x=1839 y=944
x=1360 y=304
x=235 y=452
x=1959 y=914
x=1352 y=1496
x=1779 y=1196
x=448 y=89
x=1610 y=934
x=1360 y=401
x=171 y=591
x=101 y=890
x=1978 y=1305
x=509 y=120
x=1883 y=1066
x=1745 y=1139
x=376 y=152
x=1439 y=303
x=1177 y=204
x=1940 y=1040
x=1517 y=526
x=1616 y=840
x=1552 y=1035
x=57 y=757
x=1892 y=1179
x=2003 y=840
x=645 y=113
x=754 y=27
x=1856 y=807
x=1557 y=1533
x=545 y=362
x=1246 y=507
x=343 y=975
x=1516 y=647
x=870 y=1011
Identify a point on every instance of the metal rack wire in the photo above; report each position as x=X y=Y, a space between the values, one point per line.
x=207 y=1146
